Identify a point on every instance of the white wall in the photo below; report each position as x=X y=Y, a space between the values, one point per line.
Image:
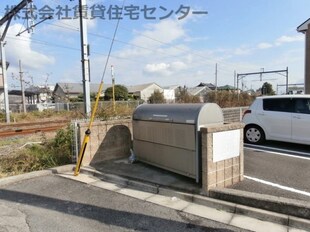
x=146 y=93
x=169 y=95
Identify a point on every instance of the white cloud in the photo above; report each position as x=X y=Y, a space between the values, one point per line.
x=243 y=50
x=161 y=68
x=264 y=45
x=166 y=31
x=165 y=69
x=20 y=48
x=289 y=39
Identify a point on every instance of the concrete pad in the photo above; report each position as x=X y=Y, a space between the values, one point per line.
x=81 y=177
x=135 y=193
x=172 y=193
x=170 y=202
x=296 y=230
x=142 y=186
x=299 y=223
x=106 y=185
x=210 y=213
x=255 y=224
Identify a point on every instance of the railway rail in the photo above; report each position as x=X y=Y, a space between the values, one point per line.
x=14 y=129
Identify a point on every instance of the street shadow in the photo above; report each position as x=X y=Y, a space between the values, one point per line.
x=129 y=220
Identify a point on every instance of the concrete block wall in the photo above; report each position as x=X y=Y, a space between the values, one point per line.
x=108 y=140
x=112 y=139
x=223 y=173
x=233 y=114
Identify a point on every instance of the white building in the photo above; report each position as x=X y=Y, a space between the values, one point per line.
x=144 y=91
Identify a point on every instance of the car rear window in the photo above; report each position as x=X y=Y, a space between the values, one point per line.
x=278 y=104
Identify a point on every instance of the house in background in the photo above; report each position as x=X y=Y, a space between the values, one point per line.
x=144 y=91
x=170 y=93
x=63 y=92
x=209 y=85
x=229 y=88
x=200 y=92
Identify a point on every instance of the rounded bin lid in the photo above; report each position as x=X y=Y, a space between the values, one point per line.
x=197 y=114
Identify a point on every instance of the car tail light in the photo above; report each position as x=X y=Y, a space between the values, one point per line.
x=246 y=112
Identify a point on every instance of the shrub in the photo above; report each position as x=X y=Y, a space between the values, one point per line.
x=229 y=99
x=40 y=156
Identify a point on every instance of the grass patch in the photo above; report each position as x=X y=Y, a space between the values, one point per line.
x=50 y=153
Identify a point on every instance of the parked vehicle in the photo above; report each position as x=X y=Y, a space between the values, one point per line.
x=281 y=118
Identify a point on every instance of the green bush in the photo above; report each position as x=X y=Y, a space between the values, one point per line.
x=40 y=156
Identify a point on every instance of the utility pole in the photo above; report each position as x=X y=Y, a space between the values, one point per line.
x=85 y=57
x=7 y=19
x=5 y=82
x=216 y=77
x=113 y=87
x=235 y=74
x=22 y=86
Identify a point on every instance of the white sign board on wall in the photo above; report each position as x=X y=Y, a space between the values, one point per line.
x=226 y=145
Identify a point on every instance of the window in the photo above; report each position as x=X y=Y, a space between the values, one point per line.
x=278 y=104
x=302 y=105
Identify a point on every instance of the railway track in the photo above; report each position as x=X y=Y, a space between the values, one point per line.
x=14 y=129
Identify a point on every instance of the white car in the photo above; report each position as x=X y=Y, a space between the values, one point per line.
x=281 y=118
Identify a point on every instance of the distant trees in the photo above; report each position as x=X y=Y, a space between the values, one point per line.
x=267 y=89
x=121 y=93
x=183 y=96
x=157 y=97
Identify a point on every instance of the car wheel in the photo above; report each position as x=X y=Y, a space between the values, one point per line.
x=254 y=134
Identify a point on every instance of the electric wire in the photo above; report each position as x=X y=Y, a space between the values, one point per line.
x=70 y=27
x=112 y=43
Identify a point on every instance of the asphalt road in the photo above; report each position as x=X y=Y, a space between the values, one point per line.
x=52 y=203
x=271 y=169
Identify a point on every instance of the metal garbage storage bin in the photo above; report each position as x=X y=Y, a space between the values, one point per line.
x=168 y=135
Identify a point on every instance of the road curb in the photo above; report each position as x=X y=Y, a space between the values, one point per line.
x=297 y=208
x=13 y=179
x=30 y=175
x=219 y=204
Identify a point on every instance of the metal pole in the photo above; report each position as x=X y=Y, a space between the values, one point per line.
x=5 y=83
x=113 y=87
x=216 y=77
x=286 y=80
x=235 y=79
x=238 y=86
x=85 y=59
x=22 y=86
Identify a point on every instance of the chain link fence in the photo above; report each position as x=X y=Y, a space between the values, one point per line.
x=71 y=106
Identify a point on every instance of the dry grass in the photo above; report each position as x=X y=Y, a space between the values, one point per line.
x=51 y=153
x=227 y=99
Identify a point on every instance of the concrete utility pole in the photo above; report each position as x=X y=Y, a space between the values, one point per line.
x=7 y=19
x=305 y=29
x=216 y=77
x=22 y=86
x=85 y=57
x=113 y=87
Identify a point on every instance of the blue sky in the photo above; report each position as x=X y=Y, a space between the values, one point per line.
x=241 y=35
